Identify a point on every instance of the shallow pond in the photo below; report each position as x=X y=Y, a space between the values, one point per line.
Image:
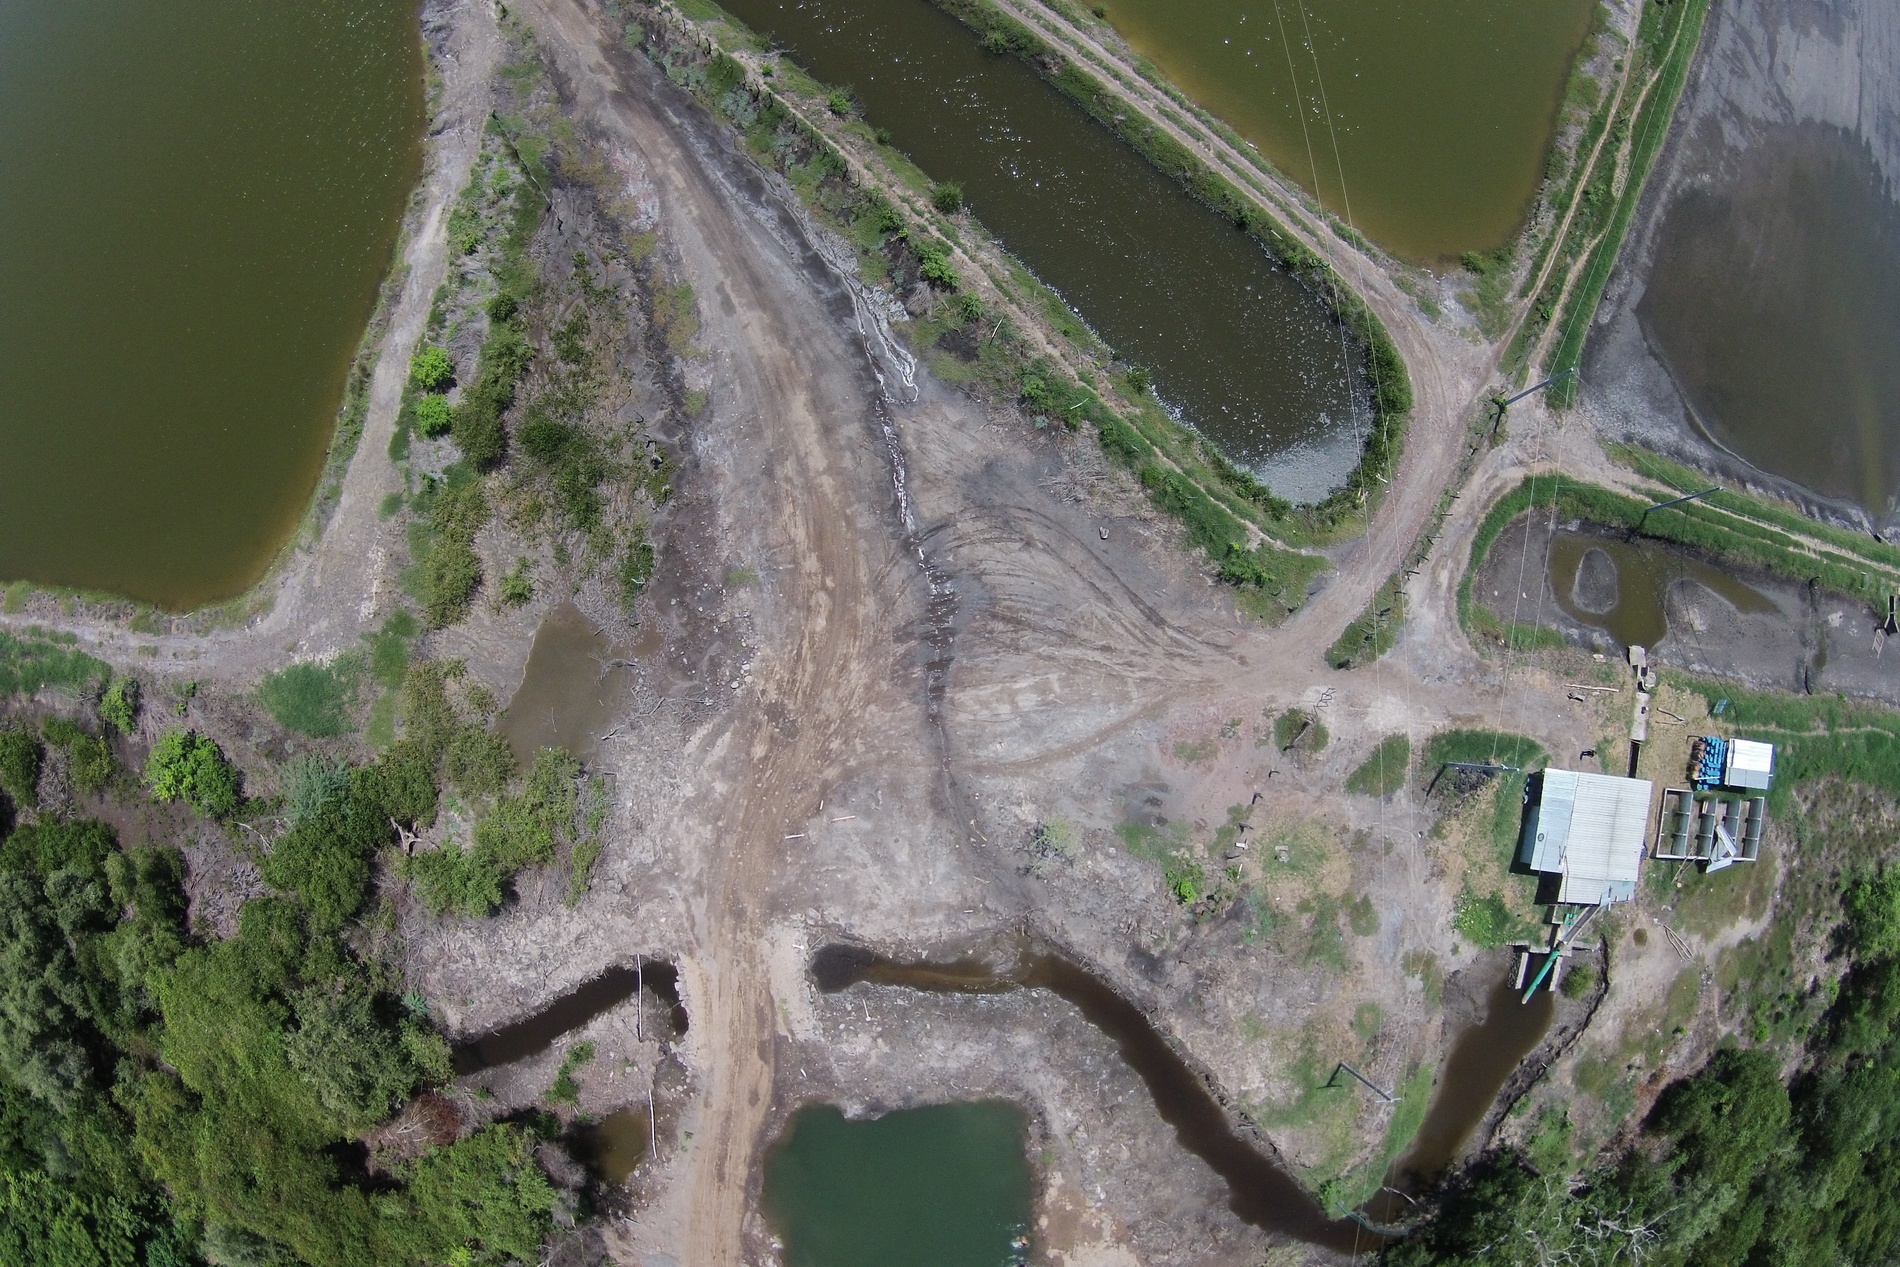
x=1622 y=587
x=574 y=686
x=1774 y=301
x=201 y=198
x=1242 y=350
x=1443 y=112
x=944 y=1186
x=613 y=1148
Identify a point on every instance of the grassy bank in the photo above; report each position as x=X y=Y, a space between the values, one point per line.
x=1666 y=43
x=1718 y=533
x=970 y=338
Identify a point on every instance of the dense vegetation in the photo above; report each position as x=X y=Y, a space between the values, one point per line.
x=167 y=1095
x=1735 y=1165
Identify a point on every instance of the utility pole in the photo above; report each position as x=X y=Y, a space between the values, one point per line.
x=1504 y=403
x=1673 y=502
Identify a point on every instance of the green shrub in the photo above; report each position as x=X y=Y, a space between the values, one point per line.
x=1579 y=981
x=933 y=264
x=435 y=416
x=311 y=781
x=1385 y=771
x=351 y=1056
x=312 y=699
x=431 y=369
x=517 y=587
x=120 y=704
x=477 y=762
x=20 y=758
x=1485 y=920
x=947 y=196
x=187 y=766
x=89 y=757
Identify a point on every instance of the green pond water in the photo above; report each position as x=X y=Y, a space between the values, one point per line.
x=200 y=199
x=1238 y=348
x=944 y=1186
x=1443 y=110
x=1775 y=302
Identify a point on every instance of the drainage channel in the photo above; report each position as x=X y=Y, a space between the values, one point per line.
x=1261 y=1191
x=535 y=1034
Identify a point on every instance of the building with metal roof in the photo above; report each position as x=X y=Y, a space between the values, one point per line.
x=1751 y=765
x=1587 y=830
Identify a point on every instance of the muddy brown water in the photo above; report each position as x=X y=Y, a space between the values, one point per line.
x=575 y=685
x=1775 y=304
x=613 y=1148
x=201 y=198
x=1442 y=112
x=1481 y=1061
x=535 y=1034
x=1240 y=349
x=1622 y=586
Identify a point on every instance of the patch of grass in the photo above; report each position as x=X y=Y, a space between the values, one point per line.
x=1424 y=965
x=580 y=873
x=1362 y=917
x=1297 y=728
x=1375 y=630
x=1356 y=1187
x=1486 y=920
x=35 y=660
x=1193 y=752
x=1676 y=28
x=1578 y=981
x=1385 y=771
x=1325 y=940
x=517 y=587
x=314 y=699
x=1367 y=1020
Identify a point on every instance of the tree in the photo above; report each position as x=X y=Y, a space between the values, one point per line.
x=355 y=1062
x=187 y=766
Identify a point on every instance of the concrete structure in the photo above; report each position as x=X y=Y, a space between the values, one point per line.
x=1588 y=830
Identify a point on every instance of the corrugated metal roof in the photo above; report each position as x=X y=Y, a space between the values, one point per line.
x=1591 y=828
x=1751 y=764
